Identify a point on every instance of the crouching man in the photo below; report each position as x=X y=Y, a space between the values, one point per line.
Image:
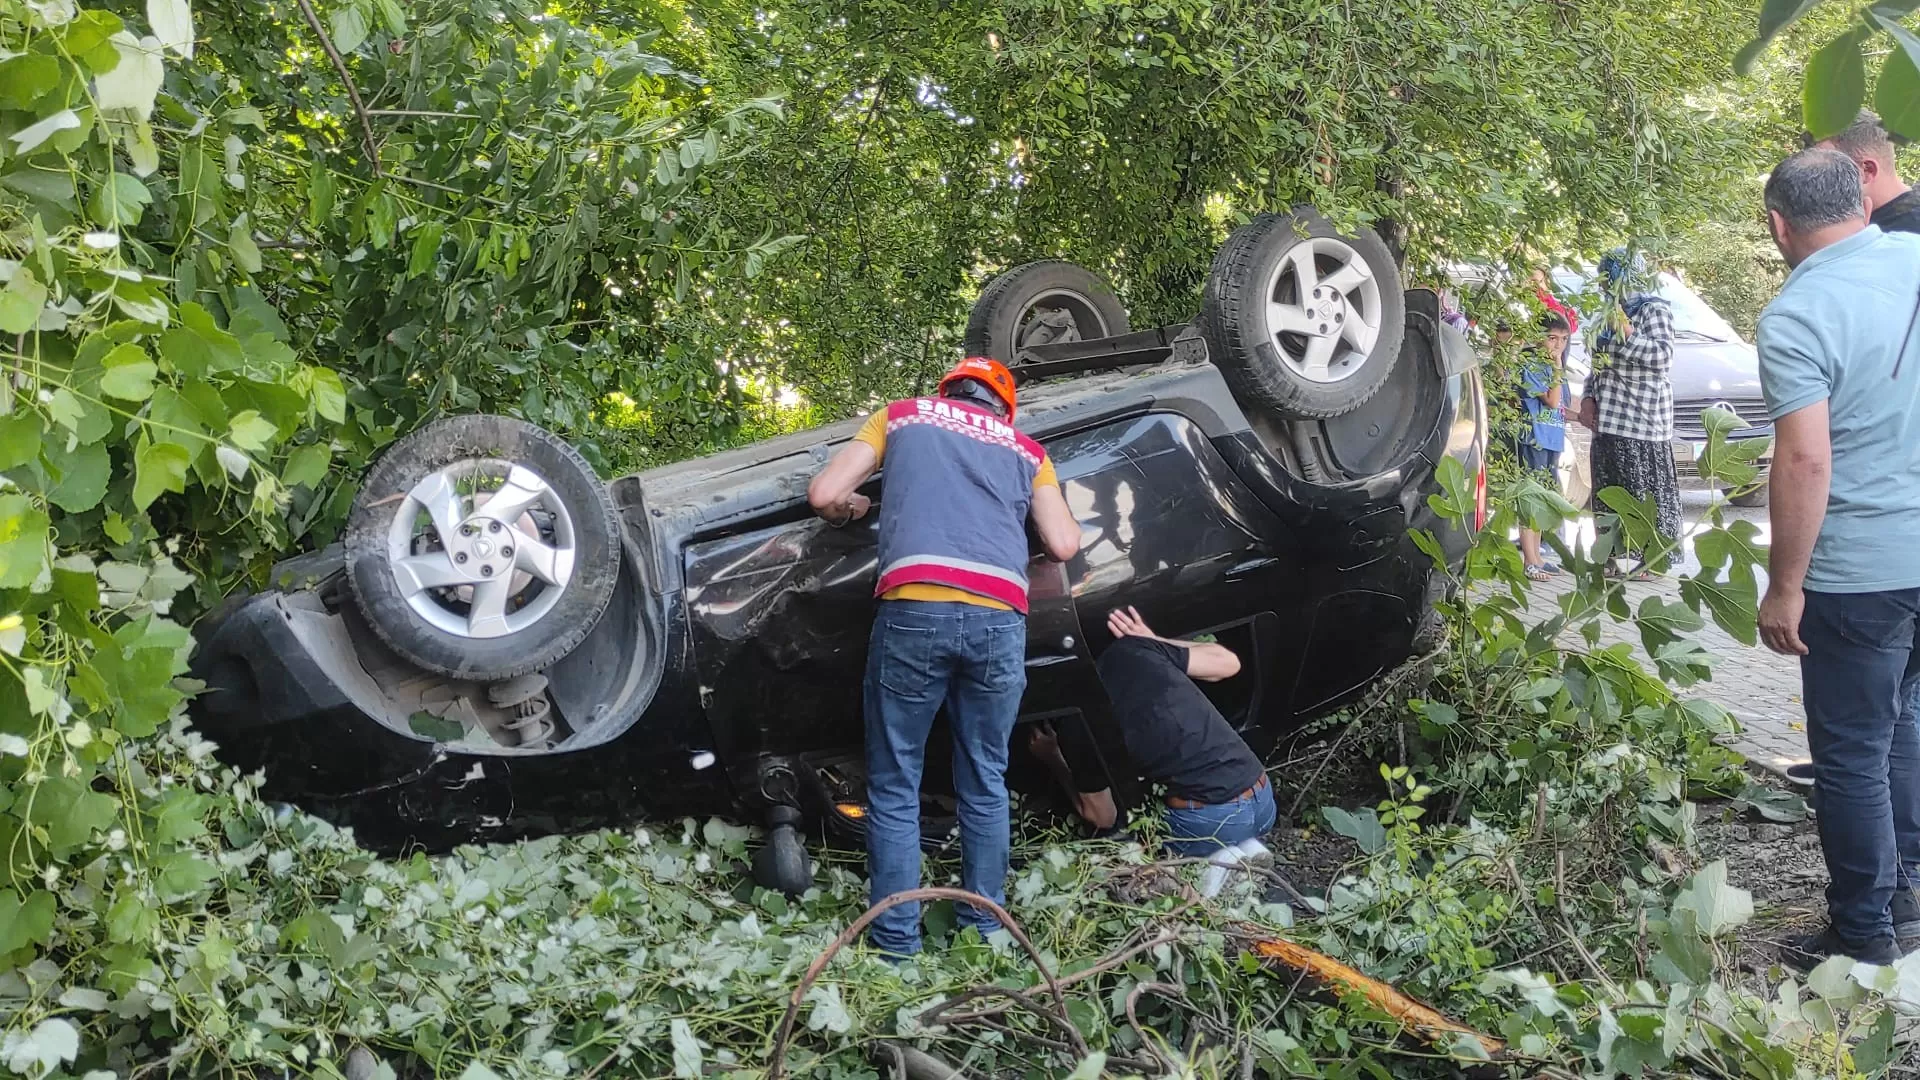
x=1219 y=803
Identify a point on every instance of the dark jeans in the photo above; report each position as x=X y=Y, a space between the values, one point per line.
x=973 y=660
x=1859 y=680
x=1203 y=830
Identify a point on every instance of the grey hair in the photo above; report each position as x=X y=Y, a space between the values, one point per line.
x=1814 y=189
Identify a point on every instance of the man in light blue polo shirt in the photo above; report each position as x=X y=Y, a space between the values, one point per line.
x=1840 y=367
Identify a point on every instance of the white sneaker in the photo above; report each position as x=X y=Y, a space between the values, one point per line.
x=1254 y=853
x=1219 y=865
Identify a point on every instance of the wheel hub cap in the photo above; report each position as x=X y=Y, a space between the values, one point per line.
x=1331 y=309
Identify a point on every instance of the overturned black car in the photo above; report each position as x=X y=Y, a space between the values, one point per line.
x=503 y=645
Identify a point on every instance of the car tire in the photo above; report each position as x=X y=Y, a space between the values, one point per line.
x=1041 y=303
x=1752 y=498
x=1337 y=347
x=523 y=592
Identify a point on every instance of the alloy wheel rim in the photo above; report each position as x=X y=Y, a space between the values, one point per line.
x=469 y=555
x=1323 y=309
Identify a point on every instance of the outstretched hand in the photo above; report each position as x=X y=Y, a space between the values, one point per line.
x=1126 y=622
x=1044 y=742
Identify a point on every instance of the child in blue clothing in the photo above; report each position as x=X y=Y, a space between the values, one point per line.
x=1538 y=446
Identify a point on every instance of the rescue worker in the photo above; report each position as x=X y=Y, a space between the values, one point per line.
x=1219 y=803
x=950 y=627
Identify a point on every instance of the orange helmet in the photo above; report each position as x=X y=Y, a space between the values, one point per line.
x=991 y=373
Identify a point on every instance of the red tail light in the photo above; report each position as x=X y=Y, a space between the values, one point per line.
x=1480 y=497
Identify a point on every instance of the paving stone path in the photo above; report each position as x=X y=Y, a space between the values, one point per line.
x=1759 y=687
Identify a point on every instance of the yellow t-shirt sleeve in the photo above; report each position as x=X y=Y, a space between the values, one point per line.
x=1044 y=478
x=874 y=434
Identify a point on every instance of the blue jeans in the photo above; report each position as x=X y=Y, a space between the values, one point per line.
x=1200 y=831
x=973 y=660
x=1859 y=682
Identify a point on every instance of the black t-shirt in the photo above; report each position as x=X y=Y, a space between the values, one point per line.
x=1900 y=215
x=1173 y=734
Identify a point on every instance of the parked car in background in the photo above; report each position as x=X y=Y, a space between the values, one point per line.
x=505 y=645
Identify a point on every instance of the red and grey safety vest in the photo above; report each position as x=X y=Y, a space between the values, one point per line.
x=956 y=488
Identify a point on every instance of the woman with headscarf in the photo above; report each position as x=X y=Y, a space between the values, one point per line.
x=1629 y=399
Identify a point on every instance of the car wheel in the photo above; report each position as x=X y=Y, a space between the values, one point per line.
x=1041 y=303
x=1751 y=497
x=482 y=547
x=1305 y=322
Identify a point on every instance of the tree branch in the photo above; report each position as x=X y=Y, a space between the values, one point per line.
x=353 y=92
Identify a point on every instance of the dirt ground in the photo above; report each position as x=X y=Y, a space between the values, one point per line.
x=1780 y=865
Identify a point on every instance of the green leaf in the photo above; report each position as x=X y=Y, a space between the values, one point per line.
x=45 y=1048
x=198 y=346
x=251 y=431
x=1716 y=906
x=1836 y=84
x=329 y=395
x=381 y=216
x=426 y=245
x=183 y=874
x=20 y=436
x=1362 y=826
x=428 y=726
x=1091 y=1067
x=89 y=31
x=69 y=811
x=23 y=541
x=1878 y=1050
x=120 y=201
x=1775 y=16
x=240 y=242
x=1669 y=618
x=127 y=373
x=24 y=78
x=1639 y=521
x=1738 y=544
x=319 y=195
x=348 y=26
x=1896 y=96
x=25 y=922
x=307 y=466
x=1772 y=804
x=159 y=467
x=21 y=301
x=393 y=17
x=1832 y=981
x=139 y=684
x=79 y=475
x=1456 y=502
